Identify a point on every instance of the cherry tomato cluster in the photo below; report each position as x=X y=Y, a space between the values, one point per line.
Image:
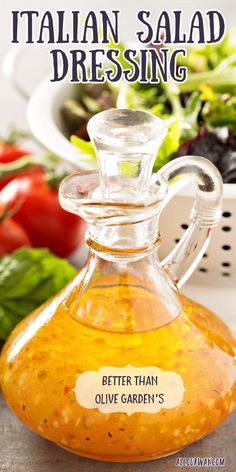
x=30 y=213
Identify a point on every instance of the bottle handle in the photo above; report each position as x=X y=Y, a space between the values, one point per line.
x=205 y=213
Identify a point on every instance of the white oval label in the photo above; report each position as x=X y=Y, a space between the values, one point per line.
x=129 y=389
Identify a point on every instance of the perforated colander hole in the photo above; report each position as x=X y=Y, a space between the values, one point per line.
x=177 y=241
x=226 y=264
x=226 y=247
x=226 y=228
x=202 y=269
x=226 y=274
x=226 y=214
x=205 y=255
x=184 y=226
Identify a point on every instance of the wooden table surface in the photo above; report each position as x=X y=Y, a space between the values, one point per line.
x=23 y=451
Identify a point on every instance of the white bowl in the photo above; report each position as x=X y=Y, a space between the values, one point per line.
x=45 y=121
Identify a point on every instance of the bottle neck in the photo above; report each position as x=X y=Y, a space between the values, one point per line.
x=131 y=241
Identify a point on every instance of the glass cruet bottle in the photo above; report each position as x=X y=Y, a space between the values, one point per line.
x=120 y=366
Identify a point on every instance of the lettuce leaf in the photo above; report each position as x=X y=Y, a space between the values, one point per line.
x=220 y=112
x=208 y=57
x=170 y=144
x=85 y=147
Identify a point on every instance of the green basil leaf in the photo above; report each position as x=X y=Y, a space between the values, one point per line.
x=28 y=278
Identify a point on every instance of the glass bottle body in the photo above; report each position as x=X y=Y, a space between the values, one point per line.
x=101 y=325
x=123 y=312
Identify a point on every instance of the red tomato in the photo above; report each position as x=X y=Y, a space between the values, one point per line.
x=12 y=236
x=10 y=152
x=34 y=171
x=37 y=209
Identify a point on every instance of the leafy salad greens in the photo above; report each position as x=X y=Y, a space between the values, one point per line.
x=193 y=111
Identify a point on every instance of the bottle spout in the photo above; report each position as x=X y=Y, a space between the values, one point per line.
x=126 y=143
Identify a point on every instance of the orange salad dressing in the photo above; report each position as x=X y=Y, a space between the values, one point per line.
x=49 y=350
